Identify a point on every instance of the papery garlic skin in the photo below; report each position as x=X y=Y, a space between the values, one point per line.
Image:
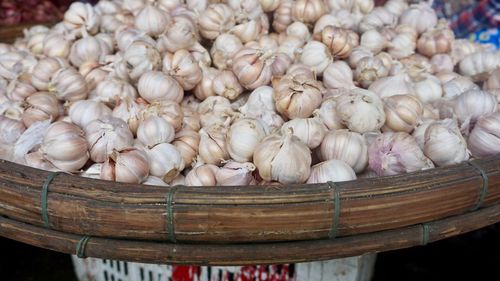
x=204 y=89
x=436 y=41
x=44 y=70
x=377 y=18
x=64 y=146
x=10 y=130
x=40 y=106
x=20 y=88
x=69 y=85
x=442 y=63
x=308 y=11
x=152 y=20
x=396 y=153
x=373 y=41
x=317 y=56
x=202 y=175
x=340 y=41
x=361 y=110
x=187 y=142
x=399 y=84
x=113 y=90
x=139 y=58
x=331 y=170
x=224 y=48
x=403 y=113
x=156 y=86
x=183 y=68
x=471 y=105
x=94 y=73
x=243 y=137
x=428 y=88
x=181 y=33
x=479 y=65
x=235 y=174
x=215 y=20
x=226 y=84
x=421 y=16
x=155 y=181
x=165 y=161
x=155 y=130
x=128 y=165
x=212 y=147
x=260 y=99
x=368 y=70
x=168 y=110
x=493 y=81
x=253 y=67
x=105 y=135
x=350 y=147
x=310 y=131
x=129 y=111
x=338 y=75
x=444 y=144
x=327 y=113
x=283 y=158
x=283 y=15
x=484 y=139
x=215 y=110
x=82 y=15
x=87 y=49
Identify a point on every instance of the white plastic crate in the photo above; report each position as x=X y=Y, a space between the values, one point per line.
x=348 y=269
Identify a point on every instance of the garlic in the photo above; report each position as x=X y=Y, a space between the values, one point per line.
x=152 y=20
x=155 y=181
x=215 y=20
x=283 y=15
x=350 y=147
x=463 y=47
x=396 y=7
x=310 y=131
x=44 y=71
x=493 y=81
x=156 y=86
x=446 y=76
x=127 y=165
x=243 y=137
x=392 y=85
x=358 y=53
x=368 y=70
x=235 y=174
x=94 y=73
x=35 y=43
x=82 y=16
x=212 y=148
x=129 y=111
x=250 y=27
x=373 y=41
x=428 y=88
x=421 y=16
x=484 y=138
x=298 y=95
x=187 y=142
x=436 y=41
x=479 y=65
x=204 y=89
x=65 y=147
x=317 y=56
x=340 y=4
x=442 y=63
x=283 y=158
x=469 y=106
x=261 y=99
x=155 y=130
x=226 y=84
x=396 y=153
x=331 y=170
x=403 y=113
x=457 y=86
x=327 y=113
x=12 y=110
x=87 y=49
x=200 y=54
x=419 y=132
x=112 y=90
x=165 y=161
x=183 y=68
x=202 y=175
x=253 y=67
x=125 y=36
x=376 y=19
x=340 y=41
x=223 y=50
x=191 y=119
x=404 y=43
x=10 y=130
x=299 y=30
x=139 y=58
x=35 y=160
x=181 y=33
x=270 y=120
x=308 y=11
x=20 y=88
x=10 y=65
x=215 y=110
x=40 y=106
x=68 y=84
x=269 y=5
x=168 y=110
x=338 y=75
x=361 y=110
x=444 y=144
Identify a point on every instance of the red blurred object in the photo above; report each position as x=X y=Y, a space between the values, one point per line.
x=31 y=11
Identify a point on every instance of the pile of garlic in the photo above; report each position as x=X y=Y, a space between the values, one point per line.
x=201 y=92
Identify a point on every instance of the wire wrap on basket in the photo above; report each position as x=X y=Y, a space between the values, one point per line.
x=336 y=212
x=44 y=198
x=484 y=190
x=425 y=234
x=81 y=245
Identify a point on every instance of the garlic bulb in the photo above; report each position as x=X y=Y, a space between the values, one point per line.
x=442 y=63
x=152 y=20
x=156 y=86
x=82 y=16
x=165 y=161
x=35 y=160
x=68 y=84
x=471 y=105
x=126 y=165
x=125 y=36
x=396 y=7
x=396 y=153
x=215 y=110
x=10 y=130
x=350 y=147
x=419 y=132
x=155 y=181
x=40 y=106
x=129 y=111
x=235 y=174
x=299 y=30
x=253 y=67
x=226 y=84
x=223 y=50
x=13 y=110
x=436 y=41
x=308 y=11
x=327 y=113
x=456 y=86
x=444 y=144
x=105 y=135
x=155 y=130
x=331 y=170
x=310 y=131
x=94 y=73
x=65 y=147
x=213 y=148
x=139 y=58
x=358 y=53
x=421 y=16
x=243 y=137
x=261 y=99
x=187 y=142
x=44 y=71
x=168 y=110
x=392 y=85
x=338 y=75
x=191 y=119
x=373 y=41
x=376 y=19
x=361 y=110
x=427 y=88
x=113 y=90
x=283 y=15
x=215 y=20
x=340 y=41
x=403 y=113
x=88 y=49
x=183 y=68
x=317 y=56
x=269 y=5
x=20 y=88
x=479 y=65
x=181 y=33
x=463 y=47
x=204 y=89
x=202 y=175
x=250 y=27
x=368 y=70
x=283 y=158
x=484 y=138
x=493 y=81
x=298 y=95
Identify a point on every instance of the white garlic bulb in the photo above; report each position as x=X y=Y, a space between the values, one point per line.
x=155 y=130
x=140 y=57
x=399 y=84
x=317 y=56
x=243 y=137
x=338 y=75
x=224 y=48
x=368 y=70
x=396 y=153
x=308 y=11
x=127 y=165
x=373 y=41
x=215 y=20
x=484 y=139
x=310 y=131
x=44 y=70
x=68 y=84
x=419 y=132
x=156 y=86
x=377 y=18
x=428 y=88
x=202 y=175
x=82 y=16
x=94 y=73
x=181 y=33
x=20 y=88
x=40 y=106
x=88 y=49
x=403 y=113
x=327 y=113
x=235 y=174
x=204 y=89
x=253 y=67
x=457 y=86
x=152 y=20
x=442 y=63
x=187 y=142
x=183 y=68
x=421 y=16
x=479 y=65
x=283 y=15
x=156 y=181
x=331 y=170
x=129 y=111
x=226 y=84
x=471 y=105
x=168 y=110
x=215 y=110
x=350 y=147
x=261 y=99
x=493 y=81
x=10 y=130
x=340 y=41
x=283 y=158
x=113 y=90
x=165 y=161
x=361 y=110
x=213 y=148
x=105 y=135
x=444 y=143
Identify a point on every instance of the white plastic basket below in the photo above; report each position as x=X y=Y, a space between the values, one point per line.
x=347 y=269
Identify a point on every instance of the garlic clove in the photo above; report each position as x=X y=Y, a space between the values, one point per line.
x=128 y=165
x=235 y=174
x=331 y=170
x=187 y=142
x=243 y=137
x=203 y=175
x=444 y=144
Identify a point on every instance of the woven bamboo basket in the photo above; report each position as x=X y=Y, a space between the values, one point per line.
x=244 y=225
